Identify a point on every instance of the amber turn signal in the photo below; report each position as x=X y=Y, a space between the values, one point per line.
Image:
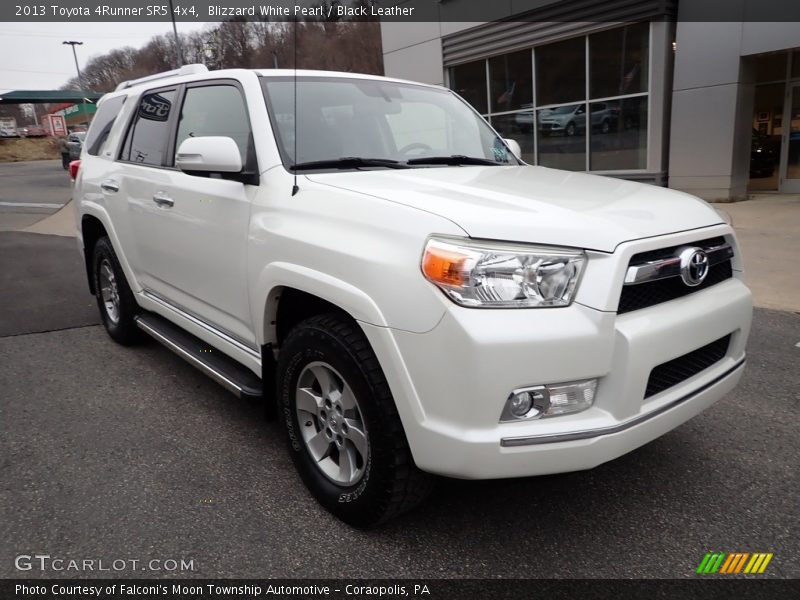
x=445 y=267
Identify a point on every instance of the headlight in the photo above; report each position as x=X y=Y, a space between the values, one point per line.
x=495 y=274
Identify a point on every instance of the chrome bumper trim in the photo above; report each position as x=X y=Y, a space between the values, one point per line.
x=572 y=436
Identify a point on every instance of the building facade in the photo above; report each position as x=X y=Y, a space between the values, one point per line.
x=645 y=93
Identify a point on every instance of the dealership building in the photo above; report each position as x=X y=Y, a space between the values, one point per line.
x=639 y=89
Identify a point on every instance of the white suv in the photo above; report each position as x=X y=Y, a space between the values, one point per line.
x=369 y=257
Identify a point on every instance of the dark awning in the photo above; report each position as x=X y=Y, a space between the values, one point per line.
x=47 y=96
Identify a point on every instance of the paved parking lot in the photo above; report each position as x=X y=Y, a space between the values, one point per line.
x=129 y=453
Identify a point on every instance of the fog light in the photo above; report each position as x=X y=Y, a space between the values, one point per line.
x=551 y=400
x=520 y=404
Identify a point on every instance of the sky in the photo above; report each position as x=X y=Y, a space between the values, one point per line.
x=32 y=56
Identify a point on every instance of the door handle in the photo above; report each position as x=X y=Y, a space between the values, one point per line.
x=162 y=199
x=109 y=185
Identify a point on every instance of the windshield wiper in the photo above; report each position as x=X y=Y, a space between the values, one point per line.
x=454 y=160
x=348 y=162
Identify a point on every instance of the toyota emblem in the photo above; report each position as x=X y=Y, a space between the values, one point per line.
x=694 y=266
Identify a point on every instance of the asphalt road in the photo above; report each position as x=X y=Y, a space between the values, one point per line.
x=30 y=191
x=129 y=453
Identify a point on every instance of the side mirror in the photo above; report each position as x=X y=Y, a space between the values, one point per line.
x=513 y=145
x=209 y=154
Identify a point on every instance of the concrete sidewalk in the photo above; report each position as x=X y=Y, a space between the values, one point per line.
x=768 y=229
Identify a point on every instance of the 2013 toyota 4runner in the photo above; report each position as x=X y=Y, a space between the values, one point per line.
x=373 y=260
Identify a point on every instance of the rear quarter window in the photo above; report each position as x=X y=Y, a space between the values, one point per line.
x=148 y=136
x=103 y=122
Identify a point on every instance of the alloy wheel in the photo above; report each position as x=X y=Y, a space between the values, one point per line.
x=331 y=424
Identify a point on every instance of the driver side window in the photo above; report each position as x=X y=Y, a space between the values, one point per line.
x=216 y=110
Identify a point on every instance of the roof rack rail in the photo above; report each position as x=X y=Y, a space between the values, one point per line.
x=184 y=70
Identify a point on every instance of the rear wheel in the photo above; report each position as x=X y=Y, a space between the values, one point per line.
x=344 y=433
x=115 y=299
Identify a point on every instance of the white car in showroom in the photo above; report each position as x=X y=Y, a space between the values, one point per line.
x=371 y=259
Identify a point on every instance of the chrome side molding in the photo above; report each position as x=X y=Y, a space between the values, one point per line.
x=228 y=337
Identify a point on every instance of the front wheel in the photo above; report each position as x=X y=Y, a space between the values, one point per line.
x=344 y=433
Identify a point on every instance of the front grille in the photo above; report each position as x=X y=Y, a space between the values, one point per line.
x=673 y=372
x=642 y=295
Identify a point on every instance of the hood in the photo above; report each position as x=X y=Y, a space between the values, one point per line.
x=535 y=204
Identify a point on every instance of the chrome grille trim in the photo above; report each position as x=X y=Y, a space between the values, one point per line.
x=671 y=267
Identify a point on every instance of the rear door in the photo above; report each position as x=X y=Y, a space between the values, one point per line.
x=139 y=173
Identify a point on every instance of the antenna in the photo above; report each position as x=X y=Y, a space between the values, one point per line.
x=295 y=187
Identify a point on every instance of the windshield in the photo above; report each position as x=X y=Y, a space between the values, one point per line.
x=374 y=119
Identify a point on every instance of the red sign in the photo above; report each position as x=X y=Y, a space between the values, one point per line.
x=55 y=124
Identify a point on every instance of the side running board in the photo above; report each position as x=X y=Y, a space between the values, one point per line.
x=221 y=368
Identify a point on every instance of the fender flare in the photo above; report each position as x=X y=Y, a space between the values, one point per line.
x=92 y=209
x=278 y=275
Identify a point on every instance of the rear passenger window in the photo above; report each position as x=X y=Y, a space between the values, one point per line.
x=147 y=138
x=102 y=123
x=216 y=110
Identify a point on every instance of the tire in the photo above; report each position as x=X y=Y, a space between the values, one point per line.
x=570 y=129
x=605 y=127
x=382 y=480
x=115 y=300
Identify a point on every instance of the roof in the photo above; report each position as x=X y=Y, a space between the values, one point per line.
x=47 y=96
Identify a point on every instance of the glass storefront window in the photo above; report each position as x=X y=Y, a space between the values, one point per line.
x=511 y=80
x=596 y=85
x=562 y=137
x=519 y=127
x=618 y=139
x=469 y=82
x=765 y=143
x=561 y=72
x=618 y=61
x=771 y=67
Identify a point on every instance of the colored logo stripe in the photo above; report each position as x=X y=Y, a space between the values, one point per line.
x=723 y=563
x=758 y=563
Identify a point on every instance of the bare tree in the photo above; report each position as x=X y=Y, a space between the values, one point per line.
x=335 y=44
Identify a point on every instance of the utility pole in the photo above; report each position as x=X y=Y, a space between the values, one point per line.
x=73 y=43
x=178 y=49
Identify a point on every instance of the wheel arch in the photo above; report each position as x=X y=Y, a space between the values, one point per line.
x=92 y=229
x=293 y=293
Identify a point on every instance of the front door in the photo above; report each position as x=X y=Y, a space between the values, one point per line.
x=790 y=143
x=192 y=230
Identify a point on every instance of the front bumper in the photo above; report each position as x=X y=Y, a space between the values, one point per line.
x=450 y=383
